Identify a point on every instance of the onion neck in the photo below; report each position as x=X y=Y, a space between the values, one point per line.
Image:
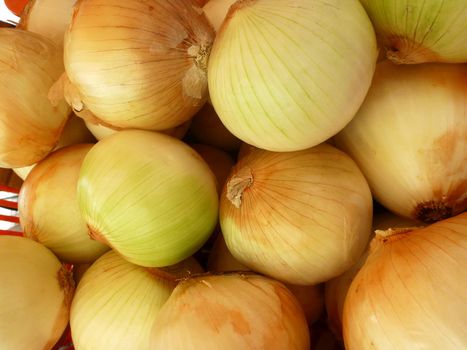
x=402 y=50
x=67 y=284
x=237 y=184
x=432 y=211
x=96 y=235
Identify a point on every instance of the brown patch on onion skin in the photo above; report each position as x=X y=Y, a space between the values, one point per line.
x=401 y=50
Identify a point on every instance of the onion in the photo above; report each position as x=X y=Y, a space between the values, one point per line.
x=149 y=196
x=336 y=288
x=155 y=82
x=116 y=302
x=75 y=132
x=269 y=86
x=310 y=298
x=410 y=293
x=30 y=125
x=302 y=217
x=420 y=31
x=409 y=138
x=230 y=312
x=35 y=296
x=216 y=11
x=220 y=162
x=49 y=18
x=207 y=128
x=101 y=131
x=48 y=207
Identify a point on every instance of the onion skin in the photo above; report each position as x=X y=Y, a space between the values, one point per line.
x=294 y=216
x=116 y=302
x=420 y=175
x=410 y=293
x=36 y=295
x=268 y=85
x=149 y=196
x=216 y=11
x=48 y=207
x=155 y=83
x=420 y=31
x=30 y=126
x=230 y=312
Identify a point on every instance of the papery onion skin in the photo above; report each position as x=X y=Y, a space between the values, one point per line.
x=116 y=302
x=269 y=85
x=230 y=312
x=36 y=295
x=48 y=207
x=216 y=11
x=420 y=31
x=149 y=196
x=301 y=217
x=336 y=288
x=30 y=126
x=409 y=138
x=410 y=294
x=156 y=82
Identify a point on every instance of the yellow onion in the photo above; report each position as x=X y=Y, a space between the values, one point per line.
x=35 y=295
x=74 y=132
x=207 y=128
x=149 y=196
x=220 y=162
x=30 y=126
x=336 y=288
x=302 y=217
x=285 y=75
x=420 y=31
x=230 y=312
x=410 y=293
x=101 y=131
x=48 y=207
x=409 y=138
x=157 y=81
x=49 y=18
x=216 y=11
x=116 y=302
x=310 y=298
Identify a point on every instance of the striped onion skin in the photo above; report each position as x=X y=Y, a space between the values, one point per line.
x=419 y=31
x=286 y=75
x=149 y=196
x=137 y=64
x=410 y=293
x=409 y=138
x=116 y=302
x=301 y=217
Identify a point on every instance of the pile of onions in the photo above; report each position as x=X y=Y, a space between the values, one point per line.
x=30 y=126
x=302 y=217
x=269 y=85
x=116 y=302
x=409 y=138
x=155 y=82
x=149 y=196
x=48 y=207
x=410 y=293
x=420 y=31
x=49 y=18
x=336 y=289
x=230 y=312
x=35 y=295
x=310 y=298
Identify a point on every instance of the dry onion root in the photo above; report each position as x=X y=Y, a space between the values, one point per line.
x=230 y=312
x=155 y=82
x=410 y=293
x=35 y=295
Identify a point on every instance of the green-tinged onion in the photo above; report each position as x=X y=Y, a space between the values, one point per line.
x=285 y=75
x=149 y=196
x=48 y=207
x=35 y=295
x=116 y=302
